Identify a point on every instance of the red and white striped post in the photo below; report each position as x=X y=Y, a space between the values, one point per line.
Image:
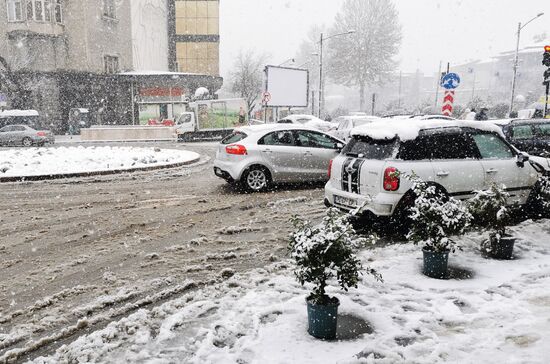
x=448 y=101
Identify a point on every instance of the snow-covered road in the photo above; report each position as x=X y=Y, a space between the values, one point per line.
x=488 y=312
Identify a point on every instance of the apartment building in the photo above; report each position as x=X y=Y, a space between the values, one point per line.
x=105 y=55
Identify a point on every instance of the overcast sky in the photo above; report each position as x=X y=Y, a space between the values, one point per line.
x=433 y=30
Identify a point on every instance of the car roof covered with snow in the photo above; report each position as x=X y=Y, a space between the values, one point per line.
x=15 y=112
x=265 y=128
x=409 y=129
x=505 y=122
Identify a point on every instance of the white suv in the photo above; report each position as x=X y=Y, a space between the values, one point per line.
x=459 y=157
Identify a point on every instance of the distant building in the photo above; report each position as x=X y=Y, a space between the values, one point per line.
x=110 y=56
x=491 y=79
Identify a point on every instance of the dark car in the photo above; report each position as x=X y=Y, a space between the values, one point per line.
x=531 y=136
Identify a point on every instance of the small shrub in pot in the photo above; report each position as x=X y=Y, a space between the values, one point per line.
x=323 y=254
x=435 y=218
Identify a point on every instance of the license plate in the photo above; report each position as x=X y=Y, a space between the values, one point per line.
x=344 y=201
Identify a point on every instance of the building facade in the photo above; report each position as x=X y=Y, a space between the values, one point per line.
x=56 y=55
x=195 y=36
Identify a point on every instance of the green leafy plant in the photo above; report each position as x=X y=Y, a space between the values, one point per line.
x=435 y=217
x=327 y=251
x=490 y=210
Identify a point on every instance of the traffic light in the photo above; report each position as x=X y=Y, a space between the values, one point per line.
x=546 y=56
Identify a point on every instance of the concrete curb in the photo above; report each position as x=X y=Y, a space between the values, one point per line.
x=94 y=173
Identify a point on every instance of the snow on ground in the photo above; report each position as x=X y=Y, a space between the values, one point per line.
x=63 y=160
x=490 y=311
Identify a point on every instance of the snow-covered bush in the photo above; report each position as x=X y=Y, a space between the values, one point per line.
x=325 y=252
x=490 y=210
x=544 y=193
x=435 y=217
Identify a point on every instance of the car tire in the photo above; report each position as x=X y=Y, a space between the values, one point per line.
x=256 y=179
x=27 y=142
x=401 y=221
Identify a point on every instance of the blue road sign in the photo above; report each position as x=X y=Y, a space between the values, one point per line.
x=450 y=81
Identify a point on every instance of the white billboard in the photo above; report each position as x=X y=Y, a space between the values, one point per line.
x=287 y=87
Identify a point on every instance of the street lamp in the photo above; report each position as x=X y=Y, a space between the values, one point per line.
x=516 y=60
x=321 y=89
x=285 y=62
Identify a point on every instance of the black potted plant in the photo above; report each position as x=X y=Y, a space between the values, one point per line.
x=490 y=210
x=324 y=253
x=435 y=217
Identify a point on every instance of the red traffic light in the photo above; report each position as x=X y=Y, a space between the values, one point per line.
x=547 y=48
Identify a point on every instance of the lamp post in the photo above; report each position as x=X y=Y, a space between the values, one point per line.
x=516 y=61
x=321 y=88
x=285 y=62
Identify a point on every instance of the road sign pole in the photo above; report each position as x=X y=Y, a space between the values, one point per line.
x=448 y=101
x=546 y=99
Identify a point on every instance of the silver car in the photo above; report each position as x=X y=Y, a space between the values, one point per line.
x=24 y=135
x=260 y=155
x=347 y=123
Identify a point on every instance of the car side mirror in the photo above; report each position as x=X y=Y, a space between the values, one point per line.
x=339 y=146
x=522 y=158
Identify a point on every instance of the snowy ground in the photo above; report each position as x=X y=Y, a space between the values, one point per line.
x=68 y=160
x=488 y=312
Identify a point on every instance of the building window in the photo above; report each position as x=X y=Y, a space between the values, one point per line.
x=111 y=64
x=58 y=12
x=197 y=17
x=109 y=9
x=15 y=10
x=198 y=57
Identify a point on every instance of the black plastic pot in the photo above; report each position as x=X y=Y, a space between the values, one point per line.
x=502 y=248
x=435 y=264
x=322 y=319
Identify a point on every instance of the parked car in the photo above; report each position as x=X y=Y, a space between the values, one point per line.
x=259 y=155
x=347 y=123
x=308 y=120
x=20 y=117
x=25 y=136
x=458 y=157
x=531 y=136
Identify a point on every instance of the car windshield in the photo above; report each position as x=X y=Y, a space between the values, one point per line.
x=364 y=147
x=234 y=137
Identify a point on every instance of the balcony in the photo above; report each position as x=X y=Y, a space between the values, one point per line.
x=34 y=28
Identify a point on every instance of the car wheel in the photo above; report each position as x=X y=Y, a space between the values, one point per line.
x=27 y=142
x=256 y=179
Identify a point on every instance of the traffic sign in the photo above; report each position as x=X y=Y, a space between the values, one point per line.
x=448 y=101
x=450 y=81
x=266 y=97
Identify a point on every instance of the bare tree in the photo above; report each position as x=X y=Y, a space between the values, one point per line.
x=367 y=55
x=246 y=79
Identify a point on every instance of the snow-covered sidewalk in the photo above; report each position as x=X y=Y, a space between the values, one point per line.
x=490 y=312
x=75 y=160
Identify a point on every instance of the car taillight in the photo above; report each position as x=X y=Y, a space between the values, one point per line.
x=41 y=133
x=391 y=179
x=330 y=168
x=236 y=149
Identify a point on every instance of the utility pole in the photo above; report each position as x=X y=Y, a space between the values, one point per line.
x=516 y=61
x=400 y=84
x=438 y=84
x=321 y=90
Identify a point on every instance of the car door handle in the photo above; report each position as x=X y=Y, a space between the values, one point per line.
x=308 y=154
x=492 y=170
x=442 y=174
x=267 y=151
